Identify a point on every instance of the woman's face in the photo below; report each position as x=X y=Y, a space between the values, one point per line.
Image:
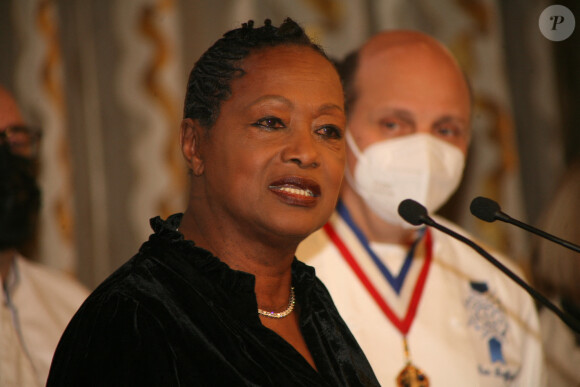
x=273 y=162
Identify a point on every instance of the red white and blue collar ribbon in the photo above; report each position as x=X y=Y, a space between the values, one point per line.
x=404 y=324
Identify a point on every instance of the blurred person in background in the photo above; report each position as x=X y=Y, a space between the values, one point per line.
x=425 y=308
x=556 y=272
x=37 y=302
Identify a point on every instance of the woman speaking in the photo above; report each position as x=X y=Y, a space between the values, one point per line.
x=216 y=296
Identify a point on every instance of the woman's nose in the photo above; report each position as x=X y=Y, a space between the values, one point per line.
x=302 y=148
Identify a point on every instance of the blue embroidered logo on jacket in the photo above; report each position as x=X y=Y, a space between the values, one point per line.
x=487 y=317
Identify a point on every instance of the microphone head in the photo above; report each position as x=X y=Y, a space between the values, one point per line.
x=413 y=212
x=485 y=209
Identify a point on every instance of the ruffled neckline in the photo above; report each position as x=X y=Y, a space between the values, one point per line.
x=167 y=231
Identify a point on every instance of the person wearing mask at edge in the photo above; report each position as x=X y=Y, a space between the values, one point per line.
x=37 y=302
x=216 y=296
x=555 y=272
x=425 y=308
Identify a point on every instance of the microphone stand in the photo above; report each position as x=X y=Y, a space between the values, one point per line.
x=489 y=211
x=508 y=219
x=567 y=319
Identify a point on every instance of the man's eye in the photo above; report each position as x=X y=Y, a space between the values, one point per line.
x=270 y=123
x=390 y=125
x=448 y=131
x=394 y=125
x=330 y=131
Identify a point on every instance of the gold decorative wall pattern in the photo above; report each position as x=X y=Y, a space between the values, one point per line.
x=150 y=89
x=164 y=58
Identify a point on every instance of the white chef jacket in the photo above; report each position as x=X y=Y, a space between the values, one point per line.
x=473 y=325
x=37 y=304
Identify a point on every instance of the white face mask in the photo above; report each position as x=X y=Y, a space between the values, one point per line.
x=418 y=166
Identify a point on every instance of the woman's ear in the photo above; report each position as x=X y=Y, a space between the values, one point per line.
x=190 y=140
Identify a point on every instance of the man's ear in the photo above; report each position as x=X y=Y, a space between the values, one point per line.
x=190 y=140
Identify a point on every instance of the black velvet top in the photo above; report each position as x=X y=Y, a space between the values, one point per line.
x=175 y=315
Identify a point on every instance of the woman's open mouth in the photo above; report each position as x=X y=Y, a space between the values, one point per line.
x=296 y=190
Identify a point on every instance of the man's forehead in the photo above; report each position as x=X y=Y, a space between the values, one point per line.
x=402 y=44
x=398 y=39
x=407 y=55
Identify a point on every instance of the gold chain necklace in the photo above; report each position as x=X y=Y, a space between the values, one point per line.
x=284 y=313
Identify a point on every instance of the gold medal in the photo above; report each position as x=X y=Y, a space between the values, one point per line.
x=411 y=376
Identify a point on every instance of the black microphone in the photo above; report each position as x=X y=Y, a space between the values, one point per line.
x=489 y=211
x=416 y=214
x=413 y=212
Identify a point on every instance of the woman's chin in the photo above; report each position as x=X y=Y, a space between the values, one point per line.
x=298 y=231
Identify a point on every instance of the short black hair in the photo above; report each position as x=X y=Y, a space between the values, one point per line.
x=210 y=79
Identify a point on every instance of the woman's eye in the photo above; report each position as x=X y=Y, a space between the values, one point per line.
x=270 y=123
x=330 y=131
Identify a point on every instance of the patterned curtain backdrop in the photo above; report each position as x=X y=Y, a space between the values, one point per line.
x=106 y=81
x=149 y=87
